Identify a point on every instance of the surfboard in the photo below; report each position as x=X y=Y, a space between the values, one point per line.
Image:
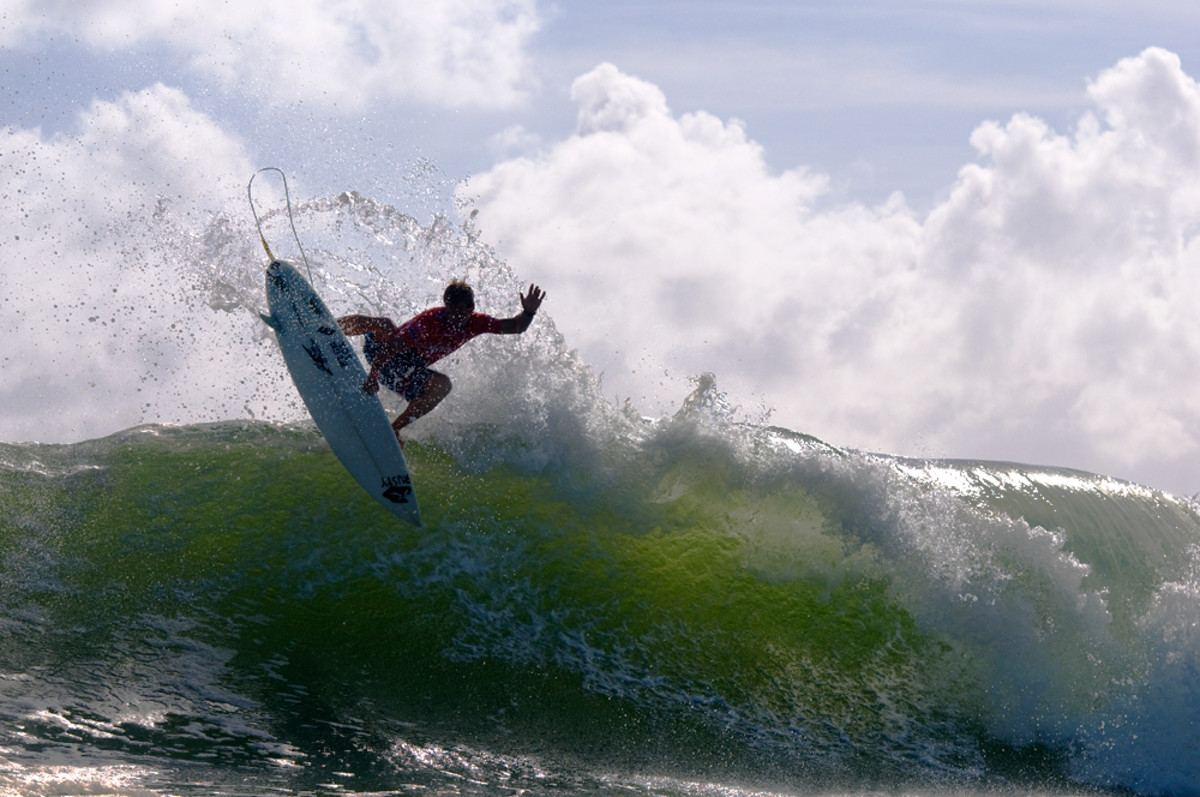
x=329 y=377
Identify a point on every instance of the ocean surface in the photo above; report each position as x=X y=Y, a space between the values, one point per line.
x=598 y=602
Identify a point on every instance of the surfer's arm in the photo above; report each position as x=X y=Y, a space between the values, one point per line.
x=366 y=325
x=530 y=302
x=370 y=325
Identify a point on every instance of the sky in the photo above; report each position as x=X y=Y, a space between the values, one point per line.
x=935 y=228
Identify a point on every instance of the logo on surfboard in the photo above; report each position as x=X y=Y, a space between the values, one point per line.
x=397 y=489
x=342 y=352
x=313 y=350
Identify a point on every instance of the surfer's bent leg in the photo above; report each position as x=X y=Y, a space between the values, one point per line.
x=435 y=387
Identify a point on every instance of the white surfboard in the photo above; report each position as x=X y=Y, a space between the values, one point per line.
x=329 y=376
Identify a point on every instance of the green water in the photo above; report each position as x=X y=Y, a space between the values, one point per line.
x=727 y=604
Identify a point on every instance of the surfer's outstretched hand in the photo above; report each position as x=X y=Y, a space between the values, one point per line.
x=530 y=302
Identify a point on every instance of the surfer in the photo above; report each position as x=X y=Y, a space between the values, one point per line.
x=400 y=356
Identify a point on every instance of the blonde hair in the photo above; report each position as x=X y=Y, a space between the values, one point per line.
x=458 y=292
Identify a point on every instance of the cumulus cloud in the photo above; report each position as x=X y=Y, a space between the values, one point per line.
x=1043 y=312
x=344 y=54
x=100 y=311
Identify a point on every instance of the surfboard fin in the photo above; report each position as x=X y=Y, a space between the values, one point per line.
x=269 y=320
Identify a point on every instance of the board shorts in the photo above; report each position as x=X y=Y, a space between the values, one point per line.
x=407 y=374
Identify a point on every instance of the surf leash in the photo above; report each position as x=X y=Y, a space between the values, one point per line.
x=258 y=223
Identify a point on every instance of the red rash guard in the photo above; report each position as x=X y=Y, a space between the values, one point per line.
x=431 y=338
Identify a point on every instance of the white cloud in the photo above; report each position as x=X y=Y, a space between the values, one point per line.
x=625 y=219
x=1044 y=311
x=513 y=140
x=339 y=53
x=100 y=309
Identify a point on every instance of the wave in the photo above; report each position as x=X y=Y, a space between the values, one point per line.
x=711 y=594
x=700 y=596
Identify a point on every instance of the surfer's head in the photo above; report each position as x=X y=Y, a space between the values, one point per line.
x=459 y=294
